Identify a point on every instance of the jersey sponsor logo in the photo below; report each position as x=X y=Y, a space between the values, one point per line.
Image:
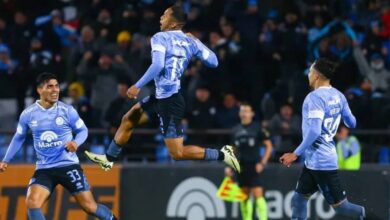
x=59 y=121
x=34 y=123
x=180 y=43
x=48 y=139
x=194 y=198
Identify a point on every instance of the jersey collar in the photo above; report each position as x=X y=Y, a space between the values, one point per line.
x=325 y=87
x=44 y=109
x=176 y=31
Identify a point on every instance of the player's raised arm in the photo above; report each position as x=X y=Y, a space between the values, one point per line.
x=203 y=53
x=79 y=128
x=158 y=60
x=348 y=118
x=17 y=140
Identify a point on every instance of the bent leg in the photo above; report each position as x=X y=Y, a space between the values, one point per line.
x=37 y=195
x=88 y=204
x=132 y=118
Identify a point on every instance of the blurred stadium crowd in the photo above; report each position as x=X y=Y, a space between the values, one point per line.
x=100 y=47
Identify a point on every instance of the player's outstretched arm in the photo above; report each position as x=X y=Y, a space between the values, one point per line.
x=17 y=140
x=14 y=147
x=207 y=56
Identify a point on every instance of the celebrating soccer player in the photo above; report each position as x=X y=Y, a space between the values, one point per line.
x=172 y=50
x=322 y=112
x=52 y=123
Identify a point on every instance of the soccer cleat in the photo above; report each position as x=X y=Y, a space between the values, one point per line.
x=230 y=158
x=100 y=159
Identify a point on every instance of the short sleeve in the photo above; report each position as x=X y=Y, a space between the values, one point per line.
x=158 y=43
x=316 y=108
x=74 y=119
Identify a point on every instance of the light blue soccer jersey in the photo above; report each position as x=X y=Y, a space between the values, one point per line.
x=329 y=105
x=178 y=49
x=51 y=129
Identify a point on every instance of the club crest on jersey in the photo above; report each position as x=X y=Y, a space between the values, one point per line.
x=48 y=139
x=59 y=121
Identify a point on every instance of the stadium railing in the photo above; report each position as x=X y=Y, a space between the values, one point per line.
x=147 y=145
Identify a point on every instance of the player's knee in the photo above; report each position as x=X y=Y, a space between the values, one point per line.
x=126 y=120
x=133 y=116
x=33 y=202
x=89 y=207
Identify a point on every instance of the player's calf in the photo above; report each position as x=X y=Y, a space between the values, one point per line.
x=35 y=214
x=299 y=206
x=177 y=154
x=89 y=207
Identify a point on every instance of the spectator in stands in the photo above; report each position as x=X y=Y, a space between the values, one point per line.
x=227 y=114
x=374 y=71
x=149 y=23
x=202 y=111
x=129 y=19
x=123 y=45
x=54 y=33
x=40 y=60
x=286 y=128
x=8 y=69
x=80 y=102
x=314 y=31
x=21 y=34
x=102 y=82
x=118 y=107
x=139 y=54
x=104 y=28
x=85 y=46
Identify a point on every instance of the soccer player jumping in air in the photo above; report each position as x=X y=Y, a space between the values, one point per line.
x=172 y=50
x=52 y=123
x=322 y=112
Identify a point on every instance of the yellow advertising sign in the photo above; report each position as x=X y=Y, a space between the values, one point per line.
x=105 y=187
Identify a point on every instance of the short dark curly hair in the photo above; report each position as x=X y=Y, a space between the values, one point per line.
x=326 y=67
x=45 y=77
